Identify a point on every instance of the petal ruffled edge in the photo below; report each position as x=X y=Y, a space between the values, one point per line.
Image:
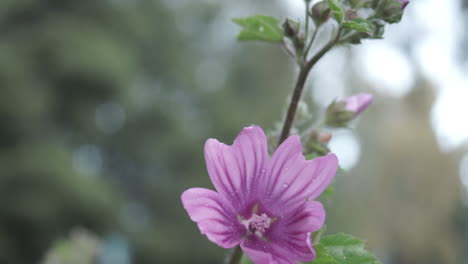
x=214 y=216
x=292 y=179
x=236 y=170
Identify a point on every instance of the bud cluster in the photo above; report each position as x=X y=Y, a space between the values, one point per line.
x=338 y=114
x=292 y=30
x=355 y=25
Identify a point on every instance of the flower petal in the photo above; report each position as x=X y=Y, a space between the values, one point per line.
x=262 y=252
x=257 y=256
x=358 y=103
x=214 y=216
x=293 y=232
x=237 y=170
x=292 y=179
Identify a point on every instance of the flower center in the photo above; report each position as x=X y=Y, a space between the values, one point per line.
x=258 y=224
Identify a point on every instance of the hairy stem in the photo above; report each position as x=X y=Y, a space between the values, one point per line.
x=235 y=256
x=299 y=87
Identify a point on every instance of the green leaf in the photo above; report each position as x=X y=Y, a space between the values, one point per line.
x=322 y=256
x=336 y=9
x=343 y=249
x=259 y=27
x=360 y=25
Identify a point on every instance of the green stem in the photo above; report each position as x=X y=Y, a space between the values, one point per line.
x=311 y=42
x=235 y=256
x=300 y=83
x=307 y=20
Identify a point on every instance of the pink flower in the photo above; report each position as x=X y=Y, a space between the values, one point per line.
x=358 y=103
x=262 y=203
x=404 y=3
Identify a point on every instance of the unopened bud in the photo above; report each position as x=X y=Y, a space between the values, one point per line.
x=351 y=14
x=321 y=12
x=340 y=113
x=317 y=143
x=391 y=10
x=299 y=41
x=291 y=28
x=324 y=137
x=404 y=3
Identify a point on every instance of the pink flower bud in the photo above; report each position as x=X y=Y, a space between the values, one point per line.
x=324 y=137
x=404 y=3
x=341 y=112
x=358 y=103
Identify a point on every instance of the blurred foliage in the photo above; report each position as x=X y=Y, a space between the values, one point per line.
x=106 y=105
x=104 y=110
x=81 y=247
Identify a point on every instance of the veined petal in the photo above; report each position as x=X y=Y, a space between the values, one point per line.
x=292 y=179
x=257 y=256
x=261 y=252
x=214 y=216
x=309 y=217
x=237 y=170
x=291 y=237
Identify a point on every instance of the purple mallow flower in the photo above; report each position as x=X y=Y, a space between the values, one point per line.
x=358 y=103
x=264 y=204
x=404 y=3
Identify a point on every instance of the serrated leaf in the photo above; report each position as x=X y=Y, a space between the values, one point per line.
x=341 y=241
x=360 y=25
x=336 y=9
x=322 y=257
x=343 y=249
x=259 y=27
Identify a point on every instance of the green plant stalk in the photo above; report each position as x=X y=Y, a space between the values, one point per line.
x=235 y=256
x=311 y=42
x=299 y=87
x=307 y=20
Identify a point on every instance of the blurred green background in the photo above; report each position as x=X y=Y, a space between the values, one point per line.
x=105 y=107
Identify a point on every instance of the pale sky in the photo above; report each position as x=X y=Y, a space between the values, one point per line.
x=431 y=31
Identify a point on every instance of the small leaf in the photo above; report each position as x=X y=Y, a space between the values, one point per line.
x=360 y=25
x=343 y=249
x=259 y=27
x=336 y=9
